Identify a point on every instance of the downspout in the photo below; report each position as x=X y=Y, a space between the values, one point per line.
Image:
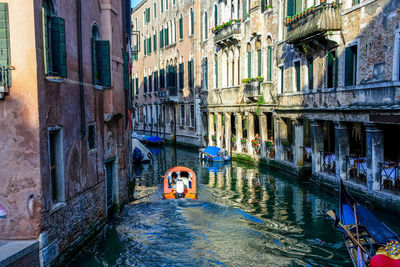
x=80 y=62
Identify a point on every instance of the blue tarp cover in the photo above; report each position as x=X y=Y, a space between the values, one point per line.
x=212 y=150
x=153 y=139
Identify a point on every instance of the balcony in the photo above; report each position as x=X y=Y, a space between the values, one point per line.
x=169 y=94
x=252 y=89
x=316 y=27
x=227 y=33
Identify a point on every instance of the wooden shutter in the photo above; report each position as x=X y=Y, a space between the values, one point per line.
x=145 y=84
x=103 y=62
x=162 y=6
x=206 y=67
x=155 y=42
x=161 y=39
x=5 y=43
x=310 y=74
x=259 y=62
x=144 y=46
x=126 y=70
x=180 y=28
x=166 y=36
x=149 y=44
x=58 y=48
x=137 y=86
x=348 y=69
x=263 y=3
x=95 y=72
x=191 y=22
x=290 y=7
x=216 y=72
x=150 y=83
x=298 y=85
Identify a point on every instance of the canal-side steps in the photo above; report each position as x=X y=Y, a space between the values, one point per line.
x=372 y=198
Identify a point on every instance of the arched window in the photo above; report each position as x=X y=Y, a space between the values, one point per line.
x=259 y=58
x=224 y=69
x=205 y=25
x=248 y=60
x=232 y=69
x=215 y=15
x=237 y=58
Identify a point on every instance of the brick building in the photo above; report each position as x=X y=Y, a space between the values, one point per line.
x=64 y=71
x=165 y=81
x=306 y=86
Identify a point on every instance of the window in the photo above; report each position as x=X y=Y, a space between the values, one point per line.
x=310 y=73
x=269 y=63
x=162 y=6
x=166 y=36
x=245 y=10
x=294 y=7
x=297 y=75
x=137 y=84
x=145 y=84
x=166 y=4
x=180 y=27
x=155 y=10
x=92 y=135
x=162 y=79
x=182 y=121
x=248 y=61
x=5 y=44
x=56 y=161
x=191 y=32
x=263 y=5
x=355 y=2
x=126 y=69
x=332 y=70
x=350 y=65
x=205 y=24
x=259 y=58
x=181 y=75
x=155 y=41
x=396 y=57
x=206 y=73
x=161 y=38
x=190 y=73
x=147 y=16
x=150 y=79
x=215 y=15
x=101 y=69
x=192 y=116
x=55 y=62
x=282 y=71
x=173 y=2
x=216 y=71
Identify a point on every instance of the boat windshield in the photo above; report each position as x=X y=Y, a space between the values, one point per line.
x=183 y=176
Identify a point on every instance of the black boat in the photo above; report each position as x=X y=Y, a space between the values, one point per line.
x=367 y=230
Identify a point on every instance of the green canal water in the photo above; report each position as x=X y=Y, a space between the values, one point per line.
x=245 y=216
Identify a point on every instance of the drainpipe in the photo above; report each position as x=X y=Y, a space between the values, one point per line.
x=80 y=62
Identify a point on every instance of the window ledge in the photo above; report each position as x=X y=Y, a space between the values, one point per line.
x=170 y=45
x=360 y=5
x=55 y=79
x=57 y=206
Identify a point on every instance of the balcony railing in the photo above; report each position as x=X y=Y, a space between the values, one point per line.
x=251 y=88
x=5 y=73
x=168 y=94
x=356 y=168
x=227 y=33
x=313 y=23
x=390 y=176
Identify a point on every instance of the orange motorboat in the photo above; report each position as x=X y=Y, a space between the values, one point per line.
x=180 y=182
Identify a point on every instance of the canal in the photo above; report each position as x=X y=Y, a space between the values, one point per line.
x=245 y=216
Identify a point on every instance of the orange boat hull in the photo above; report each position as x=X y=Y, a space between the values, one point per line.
x=170 y=193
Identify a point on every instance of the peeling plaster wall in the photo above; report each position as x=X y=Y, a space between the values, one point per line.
x=20 y=188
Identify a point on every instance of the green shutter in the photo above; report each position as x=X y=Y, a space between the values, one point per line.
x=191 y=22
x=161 y=39
x=5 y=43
x=149 y=44
x=162 y=6
x=244 y=10
x=145 y=84
x=103 y=62
x=155 y=10
x=298 y=85
x=166 y=36
x=126 y=70
x=216 y=72
x=282 y=79
x=206 y=63
x=269 y=74
x=290 y=7
x=166 y=4
x=259 y=62
x=144 y=46
x=58 y=49
x=180 y=28
x=263 y=3
x=310 y=74
x=348 y=66
x=249 y=64
x=95 y=73
x=154 y=42
x=137 y=86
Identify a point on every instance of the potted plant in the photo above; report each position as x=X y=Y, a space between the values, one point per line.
x=233 y=139
x=255 y=143
x=285 y=143
x=206 y=137
x=243 y=141
x=268 y=144
x=214 y=137
x=313 y=8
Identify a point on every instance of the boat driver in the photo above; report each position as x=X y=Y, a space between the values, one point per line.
x=173 y=180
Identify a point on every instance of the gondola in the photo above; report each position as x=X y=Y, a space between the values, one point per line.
x=377 y=246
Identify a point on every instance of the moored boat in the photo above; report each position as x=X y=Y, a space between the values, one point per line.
x=153 y=140
x=180 y=182
x=369 y=241
x=214 y=153
x=140 y=153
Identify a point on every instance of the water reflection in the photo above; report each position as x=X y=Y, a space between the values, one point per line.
x=244 y=216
